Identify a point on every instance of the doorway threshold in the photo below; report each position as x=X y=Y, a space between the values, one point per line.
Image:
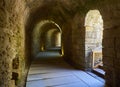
x=99 y=72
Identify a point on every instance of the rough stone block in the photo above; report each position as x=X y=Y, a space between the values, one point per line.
x=108 y=61
x=15 y=63
x=111 y=32
x=109 y=76
x=117 y=44
x=117 y=59
x=117 y=77
x=108 y=43
x=108 y=52
x=12 y=83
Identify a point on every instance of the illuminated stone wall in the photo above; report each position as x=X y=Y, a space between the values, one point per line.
x=12 y=40
x=93 y=35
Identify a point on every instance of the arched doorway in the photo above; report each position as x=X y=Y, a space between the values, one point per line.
x=44 y=37
x=93 y=39
x=52 y=40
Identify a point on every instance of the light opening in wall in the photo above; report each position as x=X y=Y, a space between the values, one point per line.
x=93 y=40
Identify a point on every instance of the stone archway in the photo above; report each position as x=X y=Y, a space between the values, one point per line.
x=40 y=34
x=52 y=39
x=93 y=39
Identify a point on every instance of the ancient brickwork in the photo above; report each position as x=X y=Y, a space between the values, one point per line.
x=111 y=39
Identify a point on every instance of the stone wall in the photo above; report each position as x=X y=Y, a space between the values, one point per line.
x=18 y=19
x=111 y=53
x=78 y=42
x=111 y=43
x=72 y=15
x=12 y=56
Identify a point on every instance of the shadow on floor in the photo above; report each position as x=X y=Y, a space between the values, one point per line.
x=55 y=72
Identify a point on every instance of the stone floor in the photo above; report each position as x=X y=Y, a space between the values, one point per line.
x=55 y=72
x=48 y=54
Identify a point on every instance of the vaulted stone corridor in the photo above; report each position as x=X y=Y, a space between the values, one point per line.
x=72 y=35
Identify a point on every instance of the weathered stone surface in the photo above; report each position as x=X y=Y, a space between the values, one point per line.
x=108 y=43
x=109 y=52
x=18 y=18
x=12 y=38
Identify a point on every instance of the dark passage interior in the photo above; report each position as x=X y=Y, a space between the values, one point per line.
x=59 y=43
